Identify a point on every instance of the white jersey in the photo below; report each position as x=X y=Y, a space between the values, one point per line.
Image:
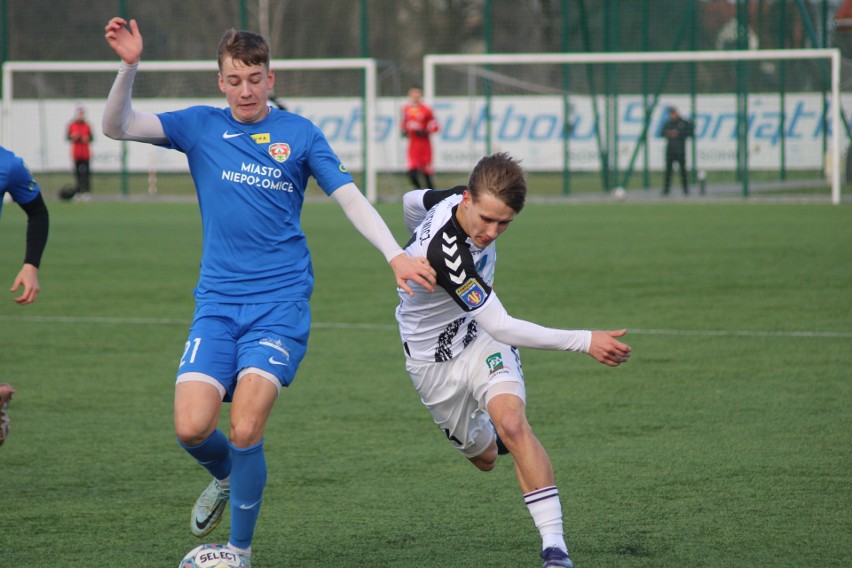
x=437 y=326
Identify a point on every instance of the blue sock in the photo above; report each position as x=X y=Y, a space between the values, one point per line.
x=214 y=454
x=248 y=479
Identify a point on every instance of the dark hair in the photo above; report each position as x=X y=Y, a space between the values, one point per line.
x=503 y=177
x=247 y=47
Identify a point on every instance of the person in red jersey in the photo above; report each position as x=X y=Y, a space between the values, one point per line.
x=418 y=124
x=80 y=135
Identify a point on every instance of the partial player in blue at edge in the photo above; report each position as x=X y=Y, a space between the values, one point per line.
x=17 y=182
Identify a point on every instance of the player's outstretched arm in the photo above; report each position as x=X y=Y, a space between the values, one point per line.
x=120 y=121
x=127 y=43
x=38 y=227
x=608 y=350
x=369 y=223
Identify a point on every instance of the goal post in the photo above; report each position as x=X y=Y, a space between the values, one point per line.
x=339 y=95
x=538 y=103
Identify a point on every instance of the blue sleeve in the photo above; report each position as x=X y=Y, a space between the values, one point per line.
x=184 y=127
x=20 y=183
x=326 y=167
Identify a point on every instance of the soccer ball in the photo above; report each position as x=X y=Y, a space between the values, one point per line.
x=212 y=556
x=618 y=194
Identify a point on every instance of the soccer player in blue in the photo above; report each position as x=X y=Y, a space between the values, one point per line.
x=17 y=181
x=250 y=164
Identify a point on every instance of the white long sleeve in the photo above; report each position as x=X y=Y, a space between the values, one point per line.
x=413 y=209
x=120 y=121
x=367 y=220
x=497 y=322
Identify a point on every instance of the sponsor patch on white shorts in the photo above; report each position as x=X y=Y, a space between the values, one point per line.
x=495 y=364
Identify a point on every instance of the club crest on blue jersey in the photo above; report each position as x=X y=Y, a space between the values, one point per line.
x=471 y=293
x=280 y=151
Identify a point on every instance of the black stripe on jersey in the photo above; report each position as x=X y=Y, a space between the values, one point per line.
x=471 y=333
x=444 y=346
x=450 y=256
x=434 y=196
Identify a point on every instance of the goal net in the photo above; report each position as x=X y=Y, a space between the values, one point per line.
x=763 y=120
x=39 y=100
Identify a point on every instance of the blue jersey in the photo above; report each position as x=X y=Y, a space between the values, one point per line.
x=251 y=181
x=16 y=179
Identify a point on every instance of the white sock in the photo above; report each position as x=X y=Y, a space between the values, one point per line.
x=546 y=511
x=243 y=551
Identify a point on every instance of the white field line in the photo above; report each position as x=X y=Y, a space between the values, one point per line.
x=388 y=326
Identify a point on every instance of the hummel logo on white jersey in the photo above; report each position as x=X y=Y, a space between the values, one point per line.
x=450 y=240
x=226 y=135
x=453 y=265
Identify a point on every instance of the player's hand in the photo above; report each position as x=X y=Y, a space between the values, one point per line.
x=608 y=350
x=416 y=269
x=404 y=134
x=127 y=43
x=28 y=278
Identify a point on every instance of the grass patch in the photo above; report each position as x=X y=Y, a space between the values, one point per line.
x=724 y=442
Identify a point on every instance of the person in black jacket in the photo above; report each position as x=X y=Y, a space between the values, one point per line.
x=676 y=130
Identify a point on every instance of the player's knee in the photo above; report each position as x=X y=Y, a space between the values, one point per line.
x=486 y=460
x=188 y=434
x=245 y=433
x=513 y=428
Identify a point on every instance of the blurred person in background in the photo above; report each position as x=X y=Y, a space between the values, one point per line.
x=79 y=134
x=418 y=124
x=676 y=130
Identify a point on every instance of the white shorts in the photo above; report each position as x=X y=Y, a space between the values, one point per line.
x=457 y=392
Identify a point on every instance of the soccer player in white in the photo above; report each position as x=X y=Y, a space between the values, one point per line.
x=461 y=344
x=250 y=164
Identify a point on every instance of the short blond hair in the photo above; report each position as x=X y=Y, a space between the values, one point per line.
x=503 y=177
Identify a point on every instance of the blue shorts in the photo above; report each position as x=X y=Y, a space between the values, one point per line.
x=226 y=338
